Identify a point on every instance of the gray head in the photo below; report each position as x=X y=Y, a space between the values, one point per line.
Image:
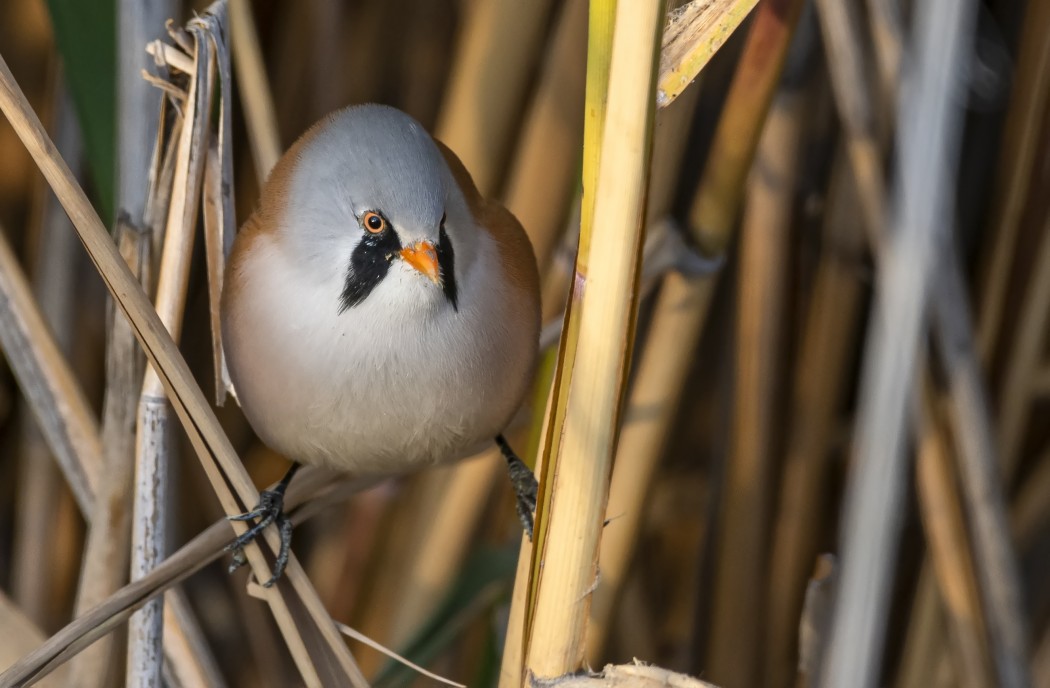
x=370 y=195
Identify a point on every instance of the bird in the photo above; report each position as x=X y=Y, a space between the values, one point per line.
x=378 y=315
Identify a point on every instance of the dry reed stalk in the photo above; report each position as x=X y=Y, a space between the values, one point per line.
x=304 y=501
x=1030 y=510
x=541 y=181
x=970 y=419
x=18 y=636
x=188 y=661
x=42 y=372
x=202 y=428
x=652 y=406
x=887 y=31
x=740 y=581
x=596 y=345
x=828 y=340
x=52 y=267
x=153 y=440
x=1021 y=133
x=1041 y=663
x=929 y=127
x=924 y=646
x=482 y=105
x=945 y=526
x=107 y=545
x=254 y=89
x=840 y=25
x=979 y=475
x=1026 y=353
x=694 y=33
x=717 y=201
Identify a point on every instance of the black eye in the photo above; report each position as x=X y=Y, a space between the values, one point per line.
x=373 y=222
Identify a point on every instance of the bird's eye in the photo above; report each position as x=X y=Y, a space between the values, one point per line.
x=373 y=222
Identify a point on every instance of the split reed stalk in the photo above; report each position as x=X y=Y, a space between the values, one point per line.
x=592 y=369
x=652 y=405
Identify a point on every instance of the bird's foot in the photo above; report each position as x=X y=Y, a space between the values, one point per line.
x=524 y=483
x=269 y=510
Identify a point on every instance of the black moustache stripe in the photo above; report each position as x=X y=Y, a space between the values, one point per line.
x=447 y=266
x=370 y=262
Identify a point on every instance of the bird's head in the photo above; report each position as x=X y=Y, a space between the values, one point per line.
x=371 y=208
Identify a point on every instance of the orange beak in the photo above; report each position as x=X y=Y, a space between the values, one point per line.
x=423 y=257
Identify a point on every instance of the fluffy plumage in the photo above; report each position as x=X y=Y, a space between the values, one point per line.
x=406 y=375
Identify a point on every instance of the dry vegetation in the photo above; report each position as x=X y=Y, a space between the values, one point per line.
x=796 y=430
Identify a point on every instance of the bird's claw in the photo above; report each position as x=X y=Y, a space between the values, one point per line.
x=524 y=483
x=269 y=510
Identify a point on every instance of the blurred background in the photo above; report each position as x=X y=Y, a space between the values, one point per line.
x=773 y=177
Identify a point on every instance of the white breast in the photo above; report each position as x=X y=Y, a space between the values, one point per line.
x=387 y=385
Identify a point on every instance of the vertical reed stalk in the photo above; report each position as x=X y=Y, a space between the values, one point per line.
x=593 y=368
x=153 y=441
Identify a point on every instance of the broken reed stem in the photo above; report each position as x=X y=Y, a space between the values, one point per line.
x=928 y=140
x=693 y=35
x=603 y=307
x=740 y=582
